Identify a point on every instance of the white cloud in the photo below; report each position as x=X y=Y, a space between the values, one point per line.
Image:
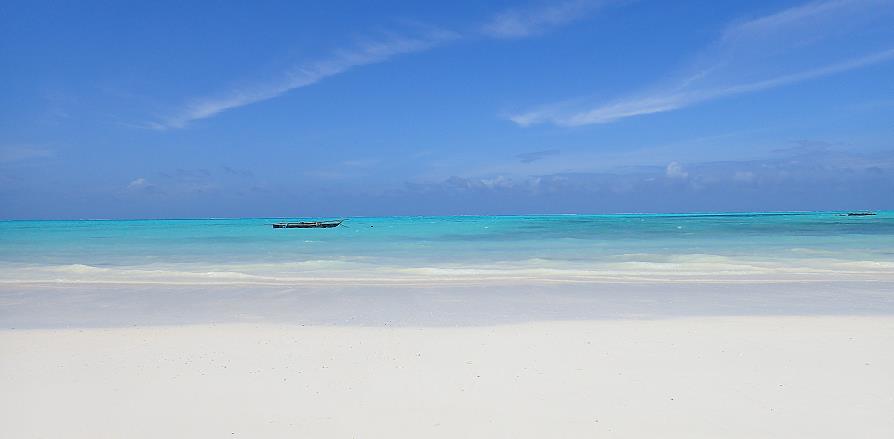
x=497 y=182
x=520 y=23
x=808 y=14
x=675 y=170
x=767 y=52
x=368 y=52
x=513 y=23
x=744 y=176
x=138 y=183
x=672 y=100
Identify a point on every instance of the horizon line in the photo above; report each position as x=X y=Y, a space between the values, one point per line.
x=678 y=213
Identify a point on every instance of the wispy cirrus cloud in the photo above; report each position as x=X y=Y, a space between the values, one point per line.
x=676 y=99
x=512 y=23
x=805 y=42
x=365 y=53
x=535 y=20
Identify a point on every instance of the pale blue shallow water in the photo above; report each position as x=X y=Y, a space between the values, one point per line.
x=457 y=240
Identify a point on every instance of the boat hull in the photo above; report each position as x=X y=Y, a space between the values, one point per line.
x=308 y=225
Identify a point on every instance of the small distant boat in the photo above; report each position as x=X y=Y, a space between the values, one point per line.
x=860 y=213
x=308 y=225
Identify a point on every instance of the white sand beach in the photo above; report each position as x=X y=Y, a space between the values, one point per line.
x=683 y=376
x=538 y=219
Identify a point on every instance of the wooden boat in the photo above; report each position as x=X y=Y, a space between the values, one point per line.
x=308 y=225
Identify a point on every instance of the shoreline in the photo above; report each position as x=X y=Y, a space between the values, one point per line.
x=683 y=269
x=480 y=304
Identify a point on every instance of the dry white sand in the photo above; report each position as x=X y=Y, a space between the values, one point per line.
x=717 y=377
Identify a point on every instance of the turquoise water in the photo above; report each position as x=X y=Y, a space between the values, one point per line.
x=586 y=242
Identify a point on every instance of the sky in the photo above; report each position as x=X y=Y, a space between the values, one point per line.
x=173 y=109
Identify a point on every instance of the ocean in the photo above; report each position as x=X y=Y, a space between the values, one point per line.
x=525 y=248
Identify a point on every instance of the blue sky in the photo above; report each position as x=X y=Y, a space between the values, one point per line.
x=165 y=109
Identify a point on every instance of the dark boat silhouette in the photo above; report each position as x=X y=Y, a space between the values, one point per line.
x=307 y=225
x=860 y=213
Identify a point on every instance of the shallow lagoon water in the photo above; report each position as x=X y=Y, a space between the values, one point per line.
x=582 y=247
